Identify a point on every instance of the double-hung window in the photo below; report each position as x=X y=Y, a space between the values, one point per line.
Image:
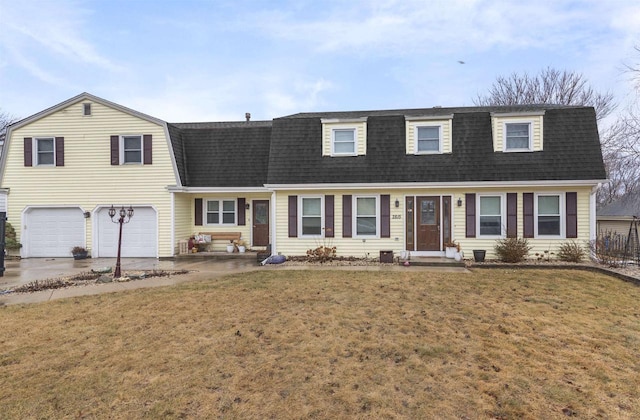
x=221 y=212
x=344 y=141
x=131 y=147
x=517 y=136
x=45 y=151
x=490 y=215
x=366 y=216
x=311 y=216
x=428 y=139
x=548 y=217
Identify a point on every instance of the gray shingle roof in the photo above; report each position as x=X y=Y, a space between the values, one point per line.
x=627 y=206
x=288 y=150
x=571 y=150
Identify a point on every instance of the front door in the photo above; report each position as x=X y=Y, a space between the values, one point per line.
x=260 y=222
x=428 y=224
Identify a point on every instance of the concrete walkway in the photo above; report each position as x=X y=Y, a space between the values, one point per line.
x=20 y=272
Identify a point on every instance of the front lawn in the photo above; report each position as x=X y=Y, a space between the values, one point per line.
x=332 y=344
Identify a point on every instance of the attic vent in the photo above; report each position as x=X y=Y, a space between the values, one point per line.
x=86 y=109
x=247 y=115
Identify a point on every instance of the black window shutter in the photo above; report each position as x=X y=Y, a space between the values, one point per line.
x=470 y=205
x=242 y=219
x=147 y=155
x=512 y=215
x=572 y=214
x=59 y=151
x=329 y=219
x=528 y=216
x=115 y=150
x=198 y=211
x=293 y=216
x=28 y=151
x=385 y=216
x=346 y=216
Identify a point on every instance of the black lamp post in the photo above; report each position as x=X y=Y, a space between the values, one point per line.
x=123 y=212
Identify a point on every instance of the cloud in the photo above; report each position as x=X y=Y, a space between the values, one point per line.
x=41 y=36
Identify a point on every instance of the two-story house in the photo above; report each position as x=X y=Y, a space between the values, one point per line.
x=402 y=180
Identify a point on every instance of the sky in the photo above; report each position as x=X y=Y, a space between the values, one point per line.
x=205 y=60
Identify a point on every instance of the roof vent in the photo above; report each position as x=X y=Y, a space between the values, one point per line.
x=247 y=115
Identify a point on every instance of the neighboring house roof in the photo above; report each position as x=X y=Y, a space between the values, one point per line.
x=225 y=154
x=571 y=149
x=627 y=206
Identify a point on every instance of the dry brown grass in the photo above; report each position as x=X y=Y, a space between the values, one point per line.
x=332 y=344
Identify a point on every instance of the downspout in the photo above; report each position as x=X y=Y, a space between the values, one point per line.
x=272 y=224
x=592 y=214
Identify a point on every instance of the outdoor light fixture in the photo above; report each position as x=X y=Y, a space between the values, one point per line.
x=459 y=202
x=397 y=203
x=246 y=206
x=128 y=213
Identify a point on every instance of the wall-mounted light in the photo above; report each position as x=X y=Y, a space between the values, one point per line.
x=87 y=215
x=459 y=202
x=246 y=206
x=397 y=203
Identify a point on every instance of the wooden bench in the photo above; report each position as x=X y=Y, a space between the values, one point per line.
x=229 y=236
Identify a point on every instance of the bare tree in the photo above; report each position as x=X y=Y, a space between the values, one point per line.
x=550 y=86
x=5 y=121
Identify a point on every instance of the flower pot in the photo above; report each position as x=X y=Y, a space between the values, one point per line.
x=80 y=255
x=479 y=254
x=450 y=251
x=230 y=248
x=458 y=256
x=241 y=248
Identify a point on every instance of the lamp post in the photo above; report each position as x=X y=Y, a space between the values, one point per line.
x=122 y=212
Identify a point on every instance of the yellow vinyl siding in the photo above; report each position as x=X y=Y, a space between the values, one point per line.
x=361 y=136
x=87 y=178
x=410 y=127
x=188 y=224
x=183 y=218
x=497 y=125
x=620 y=227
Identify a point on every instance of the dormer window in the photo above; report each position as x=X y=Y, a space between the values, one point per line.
x=428 y=139
x=344 y=141
x=344 y=137
x=517 y=137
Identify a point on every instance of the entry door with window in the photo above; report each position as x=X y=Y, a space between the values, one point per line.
x=260 y=222
x=428 y=224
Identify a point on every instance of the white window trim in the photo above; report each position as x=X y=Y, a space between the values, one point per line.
x=34 y=148
x=503 y=213
x=355 y=140
x=504 y=136
x=121 y=148
x=562 y=210
x=354 y=216
x=301 y=216
x=220 y=207
x=415 y=139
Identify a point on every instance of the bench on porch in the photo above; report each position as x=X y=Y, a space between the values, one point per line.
x=228 y=236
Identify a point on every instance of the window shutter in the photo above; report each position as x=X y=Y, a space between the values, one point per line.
x=28 y=151
x=59 y=151
x=242 y=219
x=572 y=214
x=198 y=211
x=293 y=216
x=329 y=219
x=147 y=155
x=385 y=216
x=346 y=216
x=470 y=205
x=115 y=150
x=512 y=215
x=527 y=204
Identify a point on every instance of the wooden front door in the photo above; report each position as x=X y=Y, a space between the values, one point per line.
x=260 y=222
x=428 y=224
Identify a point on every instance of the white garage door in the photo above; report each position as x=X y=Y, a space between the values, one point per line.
x=139 y=236
x=52 y=232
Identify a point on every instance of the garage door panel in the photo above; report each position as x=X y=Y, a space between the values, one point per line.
x=139 y=235
x=52 y=232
